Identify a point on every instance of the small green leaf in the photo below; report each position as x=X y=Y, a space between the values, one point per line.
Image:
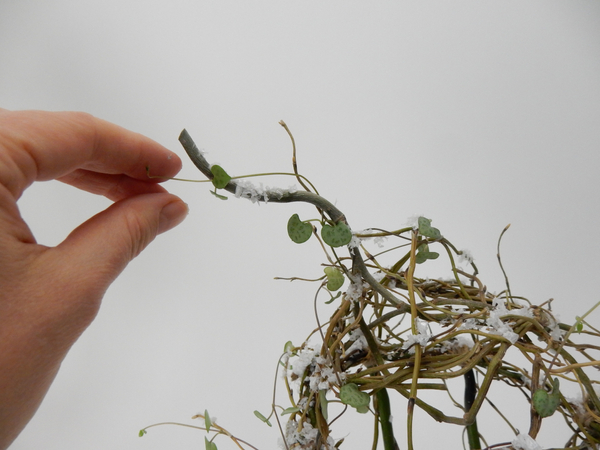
x=208 y=445
x=337 y=235
x=219 y=196
x=323 y=402
x=545 y=404
x=351 y=395
x=142 y=433
x=427 y=230
x=423 y=254
x=263 y=418
x=578 y=324
x=290 y=410
x=207 y=421
x=288 y=347
x=299 y=231
x=220 y=177
x=335 y=278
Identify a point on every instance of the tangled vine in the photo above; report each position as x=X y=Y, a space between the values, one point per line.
x=395 y=332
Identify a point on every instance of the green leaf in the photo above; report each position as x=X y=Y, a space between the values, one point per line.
x=337 y=235
x=288 y=347
x=142 y=433
x=323 y=402
x=290 y=410
x=263 y=418
x=362 y=409
x=545 y=404
x=335 y=278
x=427 y=230
x=208 y=445
x=351 y=395
x=207 y=421
x=299 y=231
x=220 y=177
x=219 y=196
x=423 y=254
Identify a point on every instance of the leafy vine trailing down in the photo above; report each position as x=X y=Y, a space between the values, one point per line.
x=455 y=329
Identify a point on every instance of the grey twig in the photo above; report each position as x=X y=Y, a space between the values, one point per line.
x=278 y=196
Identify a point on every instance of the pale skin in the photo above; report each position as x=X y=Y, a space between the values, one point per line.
x=49 y=295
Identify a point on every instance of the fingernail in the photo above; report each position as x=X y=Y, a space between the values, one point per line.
x=172 y=215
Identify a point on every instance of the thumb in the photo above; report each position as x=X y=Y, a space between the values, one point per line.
x=99 y=249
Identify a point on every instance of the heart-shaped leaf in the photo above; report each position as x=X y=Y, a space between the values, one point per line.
x=423 y=254
x=350 y=395
x=336 y=235
x=299 y=231
x=427 y=230
x=545 y=404
x=220 y=177
x=208 y=445
x=335 y=278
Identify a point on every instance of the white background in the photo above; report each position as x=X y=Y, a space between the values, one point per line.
x=476 y=114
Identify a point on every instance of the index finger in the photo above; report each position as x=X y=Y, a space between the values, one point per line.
x=39 y=145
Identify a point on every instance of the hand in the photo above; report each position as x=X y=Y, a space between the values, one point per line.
x=48 y=296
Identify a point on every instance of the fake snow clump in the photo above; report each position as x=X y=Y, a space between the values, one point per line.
x=525 y=442
x=465 y=257
x=306 y=438
x=322 y=375
x=247 y=189
x=497 y=325
x=421 y=338
x=359 y=342
x=355 y=290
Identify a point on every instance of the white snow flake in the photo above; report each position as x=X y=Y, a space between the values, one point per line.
x=525 y=442
x=421 y=338
x=497 y=325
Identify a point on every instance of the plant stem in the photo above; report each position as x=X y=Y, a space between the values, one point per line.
x=417 y=348
x=470 y=393
x=387 y=431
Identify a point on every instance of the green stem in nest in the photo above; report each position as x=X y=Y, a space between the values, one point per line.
x=470 y=393
x=385 y=420
x=382 y=399
x=492 y=369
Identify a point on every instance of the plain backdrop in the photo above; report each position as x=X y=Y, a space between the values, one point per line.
x=475 y=114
